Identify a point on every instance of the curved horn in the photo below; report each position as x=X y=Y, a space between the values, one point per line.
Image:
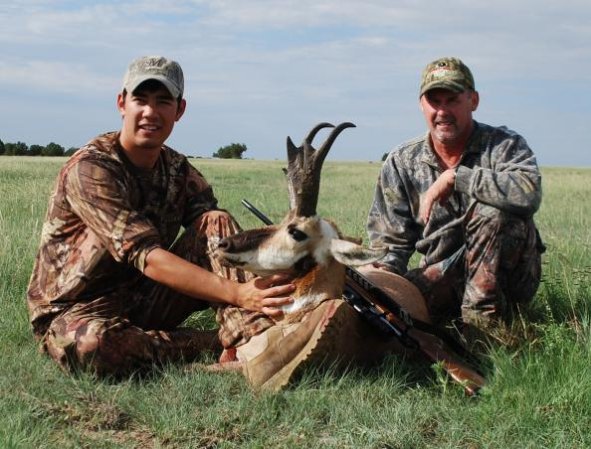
x=323 y=150
x=304 y=166
x=315 y=130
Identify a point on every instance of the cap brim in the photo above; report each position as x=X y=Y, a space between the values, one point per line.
x=132 y=86
x=448 y=85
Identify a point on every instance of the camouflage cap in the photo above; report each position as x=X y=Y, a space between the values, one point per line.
x=446 y=73
x=157 y=68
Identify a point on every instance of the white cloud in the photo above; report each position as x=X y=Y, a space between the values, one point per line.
x=54 y=77
x=292 y=61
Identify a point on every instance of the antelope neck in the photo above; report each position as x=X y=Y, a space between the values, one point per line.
x=327 y=280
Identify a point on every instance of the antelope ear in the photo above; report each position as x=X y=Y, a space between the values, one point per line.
x=357 y=240
x=349 y=253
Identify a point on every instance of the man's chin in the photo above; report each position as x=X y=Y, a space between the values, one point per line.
x=445 y=134
x=445 y=137
x=149 y=143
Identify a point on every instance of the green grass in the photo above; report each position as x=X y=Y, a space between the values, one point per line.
x=538 y=396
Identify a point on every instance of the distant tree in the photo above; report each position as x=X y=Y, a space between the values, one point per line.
x=232 y=151
x=15 y=149
x=1 y=147
x=384 y=157
x=70 y=151
x=53 y=149
x=35 y=150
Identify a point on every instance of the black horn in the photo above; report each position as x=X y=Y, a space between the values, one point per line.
x=304 y=164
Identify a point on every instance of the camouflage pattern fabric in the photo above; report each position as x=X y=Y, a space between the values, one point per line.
x=446 y=73
x=497 y=169
x=497 y=268
x=165 y=71
x=104 y=216
x=134 y=328
x=89 y=303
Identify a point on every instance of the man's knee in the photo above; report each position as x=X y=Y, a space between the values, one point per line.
x=498 y=238
x=217 y=224
x=212 y=227
x=492 y=220
x=214 y=215
x=199 y=240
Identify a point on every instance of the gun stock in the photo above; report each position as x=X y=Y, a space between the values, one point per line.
x=436 y=351
x=382 y=312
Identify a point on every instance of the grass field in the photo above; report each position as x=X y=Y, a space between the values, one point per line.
x=538 y=396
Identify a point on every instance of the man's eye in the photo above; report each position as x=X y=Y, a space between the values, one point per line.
x=140 y=100
x=297 y=235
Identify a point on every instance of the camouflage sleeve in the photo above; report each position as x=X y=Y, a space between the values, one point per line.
x=96 y=193
x=390 y=222
x=514 y=182
x=200 y=197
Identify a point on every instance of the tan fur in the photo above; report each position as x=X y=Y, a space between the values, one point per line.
x=303 y=244
x=318 y=275
x=322 y=283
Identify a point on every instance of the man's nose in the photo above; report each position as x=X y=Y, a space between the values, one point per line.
x=442 y=109
x=149 y=109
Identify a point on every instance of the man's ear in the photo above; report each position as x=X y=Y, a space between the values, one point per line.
x=181 y=109
x=121 y=103
x=475 y=100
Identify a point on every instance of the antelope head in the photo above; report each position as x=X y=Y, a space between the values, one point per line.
x=304 y=245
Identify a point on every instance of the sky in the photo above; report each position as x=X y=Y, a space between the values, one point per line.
x=258 y=71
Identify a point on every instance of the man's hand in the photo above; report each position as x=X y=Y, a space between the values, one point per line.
x=439 y=192
x=266 y=294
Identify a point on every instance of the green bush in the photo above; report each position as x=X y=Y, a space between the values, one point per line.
x=232 y=151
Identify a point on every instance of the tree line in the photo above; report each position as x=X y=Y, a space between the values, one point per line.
x=22 y=149
x=232 y=151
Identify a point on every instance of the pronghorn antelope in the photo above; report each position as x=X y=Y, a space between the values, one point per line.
x=303 y=244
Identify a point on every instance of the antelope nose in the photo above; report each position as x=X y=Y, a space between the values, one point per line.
x=225 y=244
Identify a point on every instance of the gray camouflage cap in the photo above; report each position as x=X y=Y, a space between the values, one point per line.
x=157 y=68
x=447 y=73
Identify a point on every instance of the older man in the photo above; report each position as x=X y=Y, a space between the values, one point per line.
x=463 y=195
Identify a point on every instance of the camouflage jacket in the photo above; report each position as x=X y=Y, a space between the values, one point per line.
x=104 y=216
x=497 y=168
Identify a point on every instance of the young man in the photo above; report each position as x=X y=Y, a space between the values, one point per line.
x=111 y=282
x=463 y=196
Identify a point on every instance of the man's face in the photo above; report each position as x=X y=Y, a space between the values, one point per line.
x=449 y=114
x=148 y=115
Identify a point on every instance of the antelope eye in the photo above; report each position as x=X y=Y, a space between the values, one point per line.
x=297 y=234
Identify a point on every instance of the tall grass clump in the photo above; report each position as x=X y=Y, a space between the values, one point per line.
x=538 y=393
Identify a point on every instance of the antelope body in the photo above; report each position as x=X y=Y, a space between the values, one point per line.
x=304 y=245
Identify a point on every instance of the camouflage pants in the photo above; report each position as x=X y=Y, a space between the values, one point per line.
x=136 y=327
x=498 y=267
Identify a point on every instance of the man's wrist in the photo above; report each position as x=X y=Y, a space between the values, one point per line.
x=236 y=295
